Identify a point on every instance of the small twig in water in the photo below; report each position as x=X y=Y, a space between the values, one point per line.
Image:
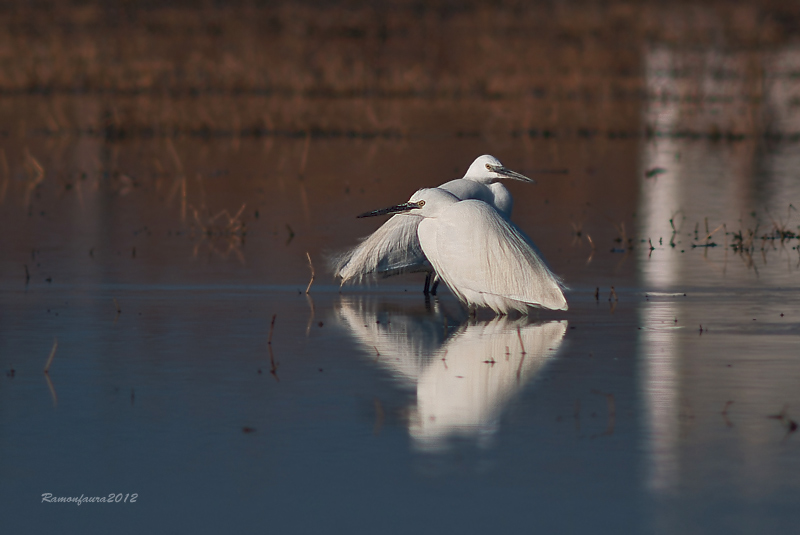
x=612 y=411
x=725 y=413
x=791 y=425
x=312 y=272
x=271 y=329
x=273 y=366
x=52 y=354
x=379 y=417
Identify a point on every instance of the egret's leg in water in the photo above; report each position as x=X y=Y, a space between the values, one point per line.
x=436 y=281
x=426 y=288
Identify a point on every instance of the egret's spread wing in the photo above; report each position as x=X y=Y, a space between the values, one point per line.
x=393 y=248
x=482 y=251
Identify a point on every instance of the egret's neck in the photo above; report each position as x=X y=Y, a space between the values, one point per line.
x=479 y=177
x=502 y=198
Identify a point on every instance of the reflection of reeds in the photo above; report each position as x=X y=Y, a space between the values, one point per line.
x=52 y=389
x=6 y=175
x=223 y=234
x=779 y=228
x=35 y=175
x=222 y=223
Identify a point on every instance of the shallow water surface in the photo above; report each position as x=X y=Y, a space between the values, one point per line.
x=381 y=405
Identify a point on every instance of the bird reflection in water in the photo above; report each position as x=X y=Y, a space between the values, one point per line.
x=464 y=372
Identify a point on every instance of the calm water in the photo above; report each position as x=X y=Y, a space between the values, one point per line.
x=664 y=401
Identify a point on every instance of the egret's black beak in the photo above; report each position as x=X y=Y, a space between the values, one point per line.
x=399 y=209
x=508 y=173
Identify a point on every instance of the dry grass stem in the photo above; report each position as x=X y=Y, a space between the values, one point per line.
x=709 y=234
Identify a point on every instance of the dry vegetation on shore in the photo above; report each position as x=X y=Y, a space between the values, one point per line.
x=349 y=68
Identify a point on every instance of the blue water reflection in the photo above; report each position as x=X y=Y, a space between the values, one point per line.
x=719 y=326
x=463 y=374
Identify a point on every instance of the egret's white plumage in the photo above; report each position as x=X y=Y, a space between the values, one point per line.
x=394 y=247
x=484 y=259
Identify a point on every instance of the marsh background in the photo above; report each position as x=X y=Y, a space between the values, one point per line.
x=166 y=168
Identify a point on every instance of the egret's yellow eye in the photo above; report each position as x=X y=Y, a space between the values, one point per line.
x=420 y=204
x=489 y=166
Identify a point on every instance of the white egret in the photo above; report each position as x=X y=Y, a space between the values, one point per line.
x=394 y=248
x=484 y=259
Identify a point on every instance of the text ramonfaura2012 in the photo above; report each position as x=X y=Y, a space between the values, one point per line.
x=111 y=498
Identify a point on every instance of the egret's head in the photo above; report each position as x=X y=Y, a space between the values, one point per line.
x=427 y=202
x=487 y=169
